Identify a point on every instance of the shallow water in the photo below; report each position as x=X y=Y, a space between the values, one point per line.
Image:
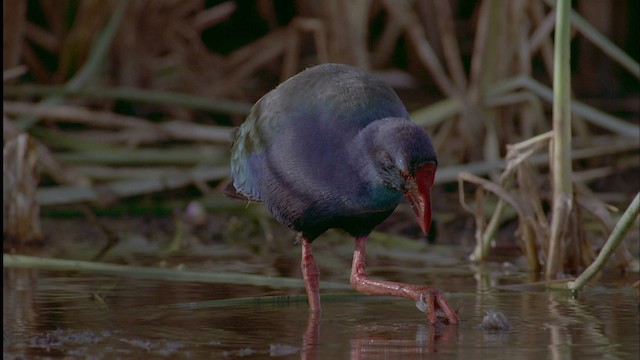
x=55 y=315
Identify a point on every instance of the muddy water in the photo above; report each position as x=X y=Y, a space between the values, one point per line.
x=55 y=315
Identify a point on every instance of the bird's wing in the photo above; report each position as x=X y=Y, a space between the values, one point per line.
x=246 y=152
x=305 y=118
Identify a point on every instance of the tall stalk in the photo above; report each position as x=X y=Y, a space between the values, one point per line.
x=561 y=152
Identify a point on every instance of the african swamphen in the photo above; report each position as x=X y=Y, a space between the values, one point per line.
x=333 y=147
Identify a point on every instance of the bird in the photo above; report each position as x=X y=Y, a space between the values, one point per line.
x=333 y=147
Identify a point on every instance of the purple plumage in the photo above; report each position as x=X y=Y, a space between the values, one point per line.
x=333 y=147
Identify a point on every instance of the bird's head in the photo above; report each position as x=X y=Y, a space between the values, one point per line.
x=407 y=162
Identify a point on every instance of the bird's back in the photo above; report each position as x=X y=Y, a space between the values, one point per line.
x=290 y=152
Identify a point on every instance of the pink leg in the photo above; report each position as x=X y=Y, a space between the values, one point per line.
x=426 y=297
x=311 y=276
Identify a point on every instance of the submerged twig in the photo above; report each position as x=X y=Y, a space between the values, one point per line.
x=276 y=300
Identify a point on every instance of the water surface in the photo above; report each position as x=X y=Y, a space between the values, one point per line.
x=57 y=315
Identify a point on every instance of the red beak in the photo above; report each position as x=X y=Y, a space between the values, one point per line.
x=420 y=195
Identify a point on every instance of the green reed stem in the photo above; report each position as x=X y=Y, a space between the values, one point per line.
x=32 y=262
x=615 y=239
x=561 y=152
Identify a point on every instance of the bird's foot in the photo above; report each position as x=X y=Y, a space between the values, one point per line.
x=435 y=305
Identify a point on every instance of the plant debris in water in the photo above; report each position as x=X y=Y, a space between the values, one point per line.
x=495 y=320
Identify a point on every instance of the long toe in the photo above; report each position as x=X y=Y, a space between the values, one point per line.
x=435 y=305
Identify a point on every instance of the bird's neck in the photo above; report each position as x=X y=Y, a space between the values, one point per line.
x=375 y=187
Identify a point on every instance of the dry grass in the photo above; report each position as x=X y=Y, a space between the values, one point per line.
x=125 y=98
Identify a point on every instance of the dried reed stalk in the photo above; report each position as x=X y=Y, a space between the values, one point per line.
x=20 y=210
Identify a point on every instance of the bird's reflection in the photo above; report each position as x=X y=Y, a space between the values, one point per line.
x=371 y=341
x=311 y=337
